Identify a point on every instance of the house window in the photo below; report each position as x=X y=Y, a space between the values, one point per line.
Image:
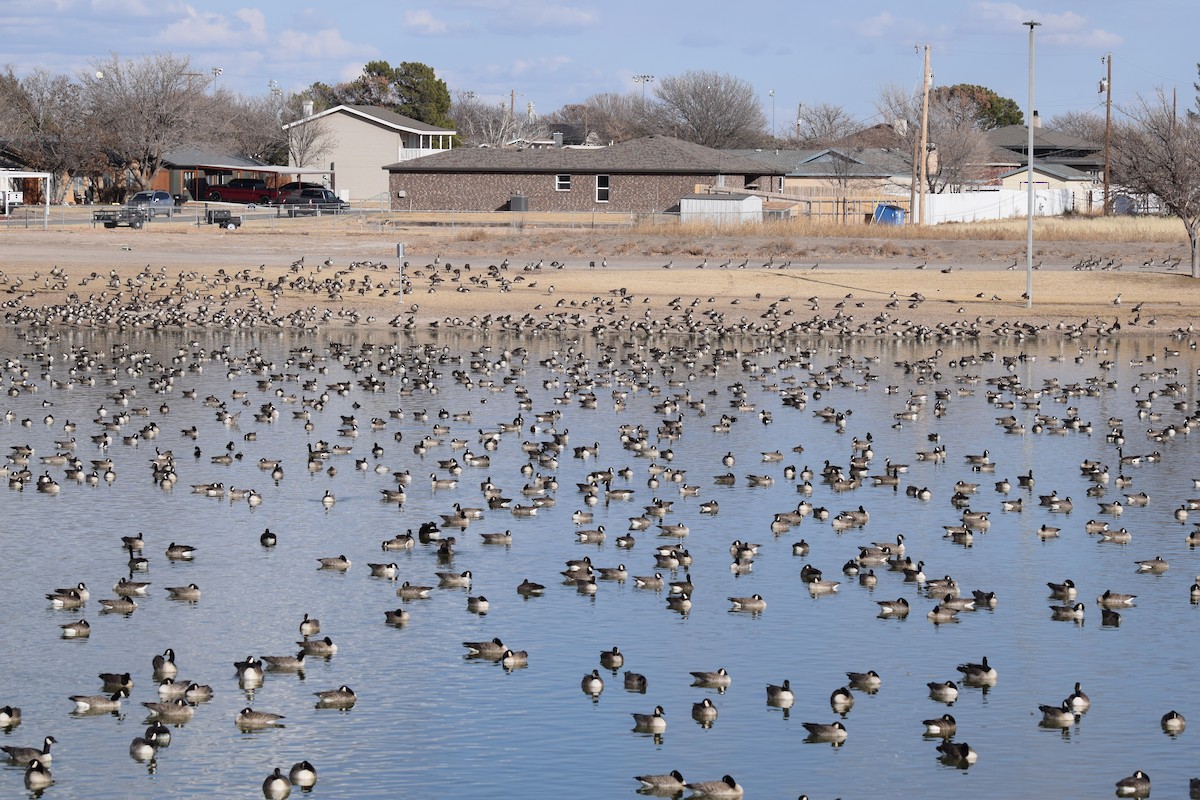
x=602 y=185
x=562 y=183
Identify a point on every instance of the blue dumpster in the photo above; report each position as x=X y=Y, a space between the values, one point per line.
x=889 y=215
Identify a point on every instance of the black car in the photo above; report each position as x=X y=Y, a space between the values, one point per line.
x=295 y=186
x=313 y=201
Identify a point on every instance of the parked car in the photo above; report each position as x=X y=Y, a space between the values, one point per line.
x=244 y=190
x=295 y=186
x=313 y=201
x=153 y=200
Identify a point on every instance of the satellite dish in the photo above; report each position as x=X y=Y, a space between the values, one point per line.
x=99 y=75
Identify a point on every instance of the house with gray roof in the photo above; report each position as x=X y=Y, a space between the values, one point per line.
x=361 y=139
x=646 y=175
x=1049 y=147
x=873 y=169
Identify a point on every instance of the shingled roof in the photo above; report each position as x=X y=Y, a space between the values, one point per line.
x=378 y=114
x=649 y=155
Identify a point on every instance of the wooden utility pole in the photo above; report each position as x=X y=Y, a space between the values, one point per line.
x=926 y=79
x=1107 y=132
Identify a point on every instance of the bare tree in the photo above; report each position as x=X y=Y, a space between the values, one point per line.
x=304 y=142
x=256 y=128
x=611 y=117
x=45 y=125
x=821 y=124
x=1157 y=153
x=149 y=107
x=1080 y=124
x=481 y=124
x=710 y=108
x=958 y=148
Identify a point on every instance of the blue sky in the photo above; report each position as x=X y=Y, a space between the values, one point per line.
x=556 y=53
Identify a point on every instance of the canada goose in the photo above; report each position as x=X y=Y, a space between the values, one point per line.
x=180 y=552
x=958 y=753
x=868 y=681
x=893 y=608
x=612 y=659
x=1111 y=599
x=10 y=717
x=341 y=697
x=592 y=683
x=303 y=774
x=654 y=722
x=318 y=647
x=141 y=749
x=336 y=563
x=780 y=695
x=822 y=732
x=286 y=663
x=725 y=789
x=1058 y=716
x=24 y=755
x=248 y=718
x=528 y=587
x=1135 y=785
x=396 y=617
x=174 y=711
x=635 y=682
x=754 y=603
x=841 y=700
x=276 y=786
x=944 y=726
x=514 y=659
x=1173 y=722
x=37 y=776
x=672 y=782
x=189 y=593
x=981 y=673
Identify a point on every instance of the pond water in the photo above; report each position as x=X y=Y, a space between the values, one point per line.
x=430 y=722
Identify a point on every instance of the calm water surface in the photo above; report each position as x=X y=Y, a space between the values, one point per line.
x=431 y=723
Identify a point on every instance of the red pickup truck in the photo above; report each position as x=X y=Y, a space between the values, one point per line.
x=243 y=190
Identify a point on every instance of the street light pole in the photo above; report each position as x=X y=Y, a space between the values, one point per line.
x=1029 y=179
x=772 y=94
x=926 y=79
x=1106 y=87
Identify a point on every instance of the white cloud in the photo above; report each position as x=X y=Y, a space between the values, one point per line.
x=525 y=18
x=198 y=28
x=255 y=22
x=876 y=26
x=423 y=23
x=1065 y=28
x=539 y=66
x=327 y=43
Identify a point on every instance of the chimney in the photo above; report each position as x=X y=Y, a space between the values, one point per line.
x=308 y=108
x=1037 y=119
x=558 y=139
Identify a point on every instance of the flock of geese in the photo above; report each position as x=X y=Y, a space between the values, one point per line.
x=657 y=353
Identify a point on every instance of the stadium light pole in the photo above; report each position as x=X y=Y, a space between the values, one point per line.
x=1029 y=179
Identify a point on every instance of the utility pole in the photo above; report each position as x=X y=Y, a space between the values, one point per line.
x=1029 y=179
x=1106 y=87
x=926 y=79
x=643 y=80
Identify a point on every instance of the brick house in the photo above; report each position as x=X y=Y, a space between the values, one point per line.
x=647 y=175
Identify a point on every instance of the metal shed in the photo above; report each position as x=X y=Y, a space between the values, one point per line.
x=723 y=209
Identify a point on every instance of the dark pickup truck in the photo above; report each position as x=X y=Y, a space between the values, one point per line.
x=243 y=190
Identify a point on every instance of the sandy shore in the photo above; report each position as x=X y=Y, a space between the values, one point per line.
x=549 y=273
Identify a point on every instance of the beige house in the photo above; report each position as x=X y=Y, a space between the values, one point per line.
x=361 y=140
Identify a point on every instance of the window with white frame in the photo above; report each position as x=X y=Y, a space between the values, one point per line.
x=562 y=183
x=602 y=188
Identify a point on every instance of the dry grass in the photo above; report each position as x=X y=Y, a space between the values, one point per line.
x=1164 y=230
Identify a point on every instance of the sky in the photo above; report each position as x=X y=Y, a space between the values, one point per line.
x=553 y=53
